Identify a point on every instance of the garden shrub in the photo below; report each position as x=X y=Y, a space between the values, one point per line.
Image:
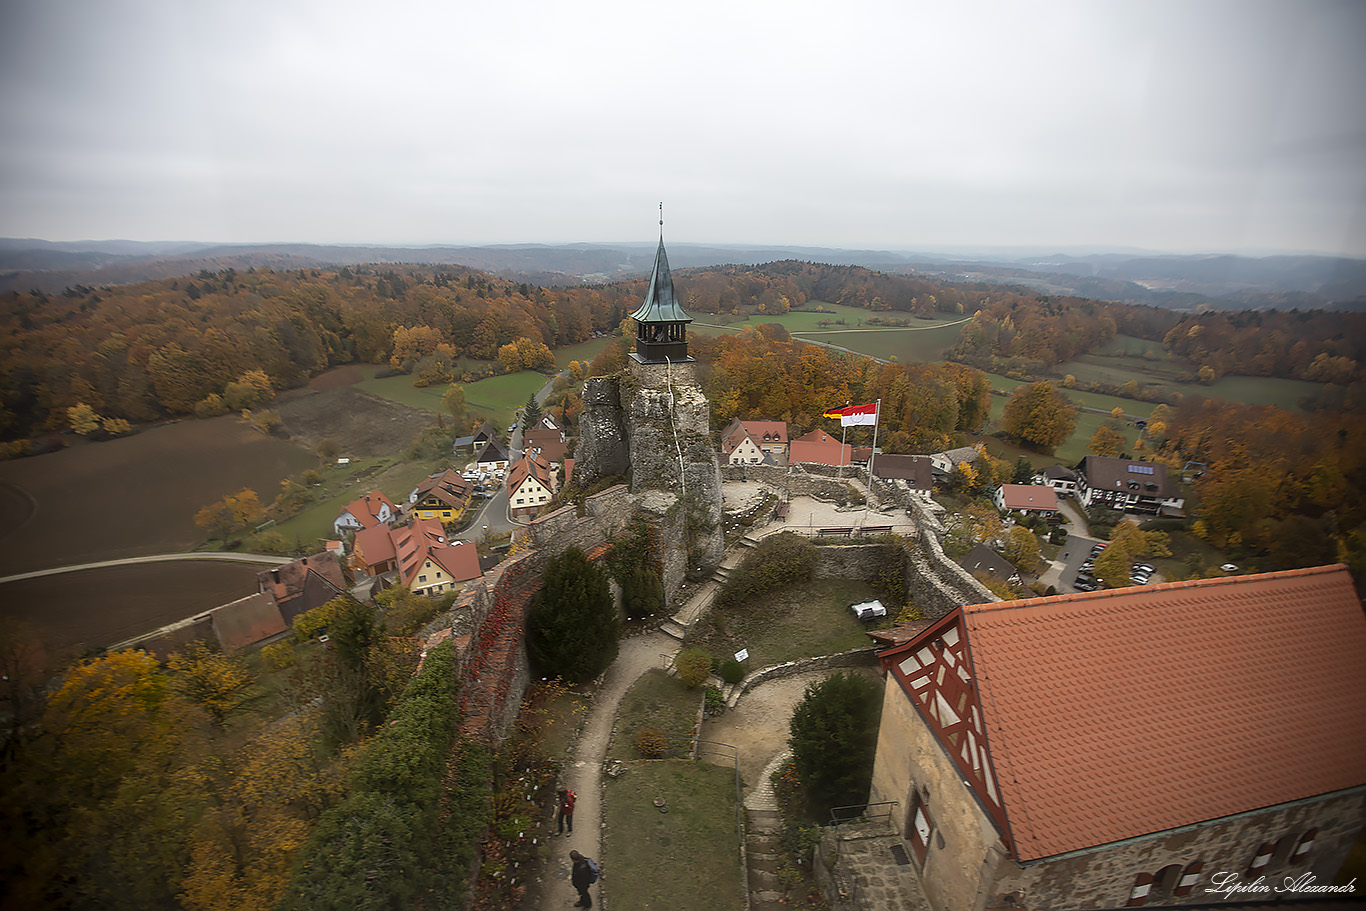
x=651 y=743
x=693 y=666
x=780 y=560
x=715 y=702
x=732 y=671
x=834 y=739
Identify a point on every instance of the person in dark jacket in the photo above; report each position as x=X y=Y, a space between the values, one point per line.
x=584 y=875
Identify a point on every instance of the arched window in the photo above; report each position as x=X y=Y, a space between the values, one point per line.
x=1143 y=884
x=1304 y=847
x=1164 y=883
x=1189 y=879
x=1261 y=860
x=1284 y=845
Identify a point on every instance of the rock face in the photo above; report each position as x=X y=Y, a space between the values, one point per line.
x=652 y=421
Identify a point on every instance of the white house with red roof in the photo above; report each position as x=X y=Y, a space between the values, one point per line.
x=1026 y=499
x=1129 y=747
x=370 y=510
x=753 y=442
x=529 y=484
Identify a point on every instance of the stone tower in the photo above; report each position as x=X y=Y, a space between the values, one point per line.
x=652 y=422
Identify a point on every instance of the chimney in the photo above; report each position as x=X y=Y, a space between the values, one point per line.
x=275 y=576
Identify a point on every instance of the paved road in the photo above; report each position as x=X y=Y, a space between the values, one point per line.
x=157 y=558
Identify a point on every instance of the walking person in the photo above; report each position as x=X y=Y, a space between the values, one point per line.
x=566 y=813
x=584 y=874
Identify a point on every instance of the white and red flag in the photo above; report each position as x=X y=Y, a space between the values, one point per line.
x=854 y=414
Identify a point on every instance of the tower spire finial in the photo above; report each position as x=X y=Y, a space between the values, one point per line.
x=661 y=218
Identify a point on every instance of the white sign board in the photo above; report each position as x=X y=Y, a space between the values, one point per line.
x=742 y=654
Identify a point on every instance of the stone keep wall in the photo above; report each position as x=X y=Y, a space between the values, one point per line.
x=800 y=483
x=647 y=420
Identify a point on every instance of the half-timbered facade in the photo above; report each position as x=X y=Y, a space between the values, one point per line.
x=1118 y=749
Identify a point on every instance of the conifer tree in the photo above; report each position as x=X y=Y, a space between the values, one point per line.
x=572 y=627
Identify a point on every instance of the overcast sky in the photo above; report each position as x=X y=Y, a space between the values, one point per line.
x=1182 y=126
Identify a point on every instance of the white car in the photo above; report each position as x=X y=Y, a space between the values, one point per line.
x=1229 y=568
x=868 y=610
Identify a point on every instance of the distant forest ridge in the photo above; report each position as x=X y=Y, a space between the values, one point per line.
x=1183 y=282
x=222 y=340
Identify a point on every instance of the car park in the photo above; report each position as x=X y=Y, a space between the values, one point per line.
x=1095 y=551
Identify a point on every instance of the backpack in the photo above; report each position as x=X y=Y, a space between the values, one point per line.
x=593 y=870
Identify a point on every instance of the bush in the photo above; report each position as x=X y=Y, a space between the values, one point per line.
x=1059 y=536
x=780 y=560
x=834 y=738
x=642 y=593
x=715 y=702
x=732 y=671
x=572 y=626
x=650 y=743
x=693 y=666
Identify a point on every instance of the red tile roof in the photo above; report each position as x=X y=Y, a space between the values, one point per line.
x=819 y=447
x=1121 y=713
x=366 y=510
x=528 y=466
x=1029 y=496
x=247 y=621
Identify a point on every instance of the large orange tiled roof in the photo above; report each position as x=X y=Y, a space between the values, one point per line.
x=1116 y=714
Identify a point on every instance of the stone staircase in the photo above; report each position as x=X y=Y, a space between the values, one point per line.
x=763 y=847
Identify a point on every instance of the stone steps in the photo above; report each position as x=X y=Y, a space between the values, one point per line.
x=673 y=628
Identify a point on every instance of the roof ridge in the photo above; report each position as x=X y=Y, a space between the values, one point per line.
x=1103 y=594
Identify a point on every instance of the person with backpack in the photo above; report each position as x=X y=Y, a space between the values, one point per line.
x=566 y=814
x=584 y=874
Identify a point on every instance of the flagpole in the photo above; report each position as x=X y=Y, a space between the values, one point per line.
x=877 y=419
x=844 y=432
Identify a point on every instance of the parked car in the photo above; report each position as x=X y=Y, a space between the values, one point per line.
x=1229 y=568
x=1095 y=551
x=1144 y=568
x=1084 y=586
x=868 y=610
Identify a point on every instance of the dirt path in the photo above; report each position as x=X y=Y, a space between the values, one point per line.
x=583 y=774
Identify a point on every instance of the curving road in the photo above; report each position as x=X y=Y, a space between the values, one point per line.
x=156 y=558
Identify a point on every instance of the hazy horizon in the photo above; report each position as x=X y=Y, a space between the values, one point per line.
x=1158 y=128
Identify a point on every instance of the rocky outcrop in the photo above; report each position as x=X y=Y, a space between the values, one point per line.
x=652 y=421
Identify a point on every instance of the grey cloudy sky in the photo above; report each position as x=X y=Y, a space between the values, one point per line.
x=1185 y=126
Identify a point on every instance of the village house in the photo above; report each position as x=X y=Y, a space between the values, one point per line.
x=1026 y=499
x=370 y=510
x=546 y=442
x=303 y=584
x=982 y=559
x=1122 y=748
x=476 y=441
x=443 y=496
x=492 y=457
x=529 y=485
x=755 y=442
x=428 y=564
x=1127 y=485
x=912 y=473
x=819 y=448
x=945 y=462
x=1062 y=479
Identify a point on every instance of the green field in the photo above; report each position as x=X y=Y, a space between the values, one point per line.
x=924 y=340
x=583 y=351
x=497 y=398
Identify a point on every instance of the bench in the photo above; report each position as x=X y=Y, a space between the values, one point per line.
x=877 y=529
x=835 y=532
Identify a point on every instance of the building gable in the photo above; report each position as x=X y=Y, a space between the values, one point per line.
x=935 y=671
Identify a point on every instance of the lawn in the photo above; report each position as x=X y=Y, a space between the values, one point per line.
x=497 y=398
x=924 y=340
x=583 y=351
x=655 y=700
x=799 y=622
x=686 y=859
x=342 y=484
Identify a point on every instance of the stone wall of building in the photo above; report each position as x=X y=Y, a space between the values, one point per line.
x=966 y=865
x=856 y=561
